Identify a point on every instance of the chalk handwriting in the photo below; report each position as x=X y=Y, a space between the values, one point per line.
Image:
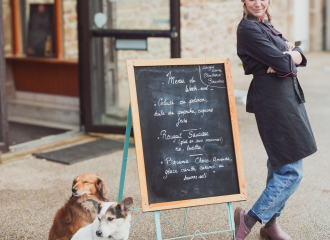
x=170 y=171
x=165 y=102
x=192 y=134
x=169 y=161
x=170 y=137
x=227 y=159
x=207 y=75
x=200 y=160
x=181 y=121
x=211 y=81
x=159 y=114
x=185 y=112
x=192 y=80
x=203 y=111
x=197 y=100
x=172 y=80
x=193 y=148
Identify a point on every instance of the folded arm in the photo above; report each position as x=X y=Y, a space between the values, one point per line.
x=259 y=47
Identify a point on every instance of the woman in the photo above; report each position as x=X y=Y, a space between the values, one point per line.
x=277 y=100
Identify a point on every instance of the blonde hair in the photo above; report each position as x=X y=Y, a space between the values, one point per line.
x=247 y=13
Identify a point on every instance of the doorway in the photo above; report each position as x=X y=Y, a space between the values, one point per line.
x=110 y=32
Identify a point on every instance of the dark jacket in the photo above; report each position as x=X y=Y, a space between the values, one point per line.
x=275 y=99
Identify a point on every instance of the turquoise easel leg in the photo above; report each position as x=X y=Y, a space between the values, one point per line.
x=231 y=218
x=157 y=225
x=124 y=163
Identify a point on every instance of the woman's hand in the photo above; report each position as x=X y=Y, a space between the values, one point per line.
x=289 y=46
x=296 y=56
x=270 y=70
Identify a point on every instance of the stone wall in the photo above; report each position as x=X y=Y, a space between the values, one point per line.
x=316 y=24
x=208 y=27
x=6 y=9
x=70 y=29
x=153 y=14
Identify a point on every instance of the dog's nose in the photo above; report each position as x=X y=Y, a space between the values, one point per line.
x=98 y=233
x=74 y=190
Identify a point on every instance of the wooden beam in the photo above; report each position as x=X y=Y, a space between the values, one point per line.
x=58 y=29
x=16 y=27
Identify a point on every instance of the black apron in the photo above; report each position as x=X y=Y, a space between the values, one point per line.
x=278 y=105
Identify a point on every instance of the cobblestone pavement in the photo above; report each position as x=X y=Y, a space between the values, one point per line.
x=32 y=190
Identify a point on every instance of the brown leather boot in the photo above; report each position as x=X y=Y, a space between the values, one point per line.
x=274 y=232
x=241 y=231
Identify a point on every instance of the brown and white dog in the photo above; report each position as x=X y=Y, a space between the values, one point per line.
x=77 y=212
x=112 y=222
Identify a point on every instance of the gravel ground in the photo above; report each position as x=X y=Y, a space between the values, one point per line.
x=32 y=190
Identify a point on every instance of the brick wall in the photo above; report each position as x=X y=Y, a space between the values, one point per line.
x=70 y=29
x=7 y=26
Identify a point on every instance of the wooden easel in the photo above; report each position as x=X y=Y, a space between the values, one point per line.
x=158 y=213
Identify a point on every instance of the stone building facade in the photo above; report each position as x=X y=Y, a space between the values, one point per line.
x=208 y=29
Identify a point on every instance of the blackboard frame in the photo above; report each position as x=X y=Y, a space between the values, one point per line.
x=146 y=207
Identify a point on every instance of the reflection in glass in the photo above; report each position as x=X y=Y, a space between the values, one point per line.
x=128 y=14
x=25 y=17
x=110 y=91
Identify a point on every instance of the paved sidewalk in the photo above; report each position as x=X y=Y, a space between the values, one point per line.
x=32 y=190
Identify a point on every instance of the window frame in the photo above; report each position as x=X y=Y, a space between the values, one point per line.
x=17 y=41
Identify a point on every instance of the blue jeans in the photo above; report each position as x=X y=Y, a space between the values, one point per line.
x=281 y=184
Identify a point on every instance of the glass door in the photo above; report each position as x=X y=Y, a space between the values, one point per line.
x=110 y=32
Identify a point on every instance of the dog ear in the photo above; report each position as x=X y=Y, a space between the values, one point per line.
x=97 y=205
x=73 y=183
x=101 y=187
x=126 y=204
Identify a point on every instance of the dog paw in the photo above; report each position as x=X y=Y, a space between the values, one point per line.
x=88 y=206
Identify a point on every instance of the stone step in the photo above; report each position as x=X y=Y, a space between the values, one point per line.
x=44 y=110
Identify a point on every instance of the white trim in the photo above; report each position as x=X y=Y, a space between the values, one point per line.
x=43 y=123
x=46 y=100
x=44 y=140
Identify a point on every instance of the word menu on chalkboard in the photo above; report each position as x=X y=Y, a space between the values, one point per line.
x=186 y=133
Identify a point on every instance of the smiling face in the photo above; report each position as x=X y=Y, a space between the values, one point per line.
x=257 y=8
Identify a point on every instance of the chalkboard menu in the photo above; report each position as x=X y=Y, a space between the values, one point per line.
x=186 y=132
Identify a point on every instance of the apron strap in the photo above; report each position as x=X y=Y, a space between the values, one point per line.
x=299 y=92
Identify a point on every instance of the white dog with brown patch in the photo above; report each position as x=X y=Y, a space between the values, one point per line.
x=112 y=222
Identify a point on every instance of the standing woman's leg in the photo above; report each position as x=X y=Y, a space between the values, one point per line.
x=284 y=183
x=281 y=185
